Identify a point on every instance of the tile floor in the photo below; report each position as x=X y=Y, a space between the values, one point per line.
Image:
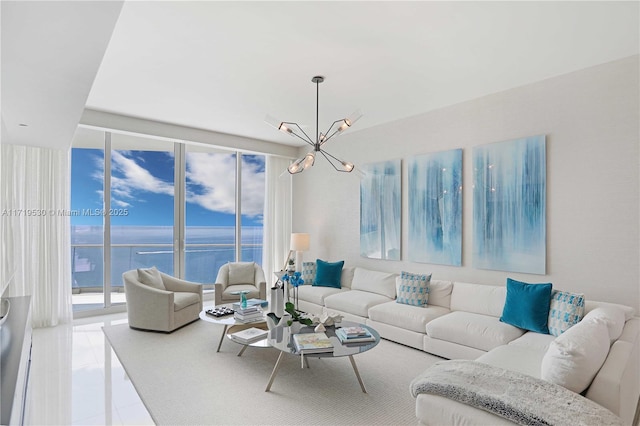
x=77 y=379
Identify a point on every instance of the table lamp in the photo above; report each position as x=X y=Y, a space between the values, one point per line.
x=299 y=243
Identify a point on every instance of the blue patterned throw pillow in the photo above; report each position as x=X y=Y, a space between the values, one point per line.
x=565 y=310
x=308 y=272
x=413 y=289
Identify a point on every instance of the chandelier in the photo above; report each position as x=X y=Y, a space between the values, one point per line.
x=336 y=128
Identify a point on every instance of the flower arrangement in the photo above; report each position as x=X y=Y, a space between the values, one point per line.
x=296 y=281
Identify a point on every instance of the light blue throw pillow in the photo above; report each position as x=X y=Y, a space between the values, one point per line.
x=308 y=272
x=413 y=289
x=566 y=309
x=328 y=274
x=527 y=305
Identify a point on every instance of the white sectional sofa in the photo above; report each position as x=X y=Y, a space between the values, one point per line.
x=462 y=321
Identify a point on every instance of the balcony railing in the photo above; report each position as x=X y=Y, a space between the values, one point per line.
x=202 y=262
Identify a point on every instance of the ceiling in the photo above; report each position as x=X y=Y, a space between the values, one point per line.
x=223 y=66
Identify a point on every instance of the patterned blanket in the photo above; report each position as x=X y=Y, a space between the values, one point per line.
x=517 y=397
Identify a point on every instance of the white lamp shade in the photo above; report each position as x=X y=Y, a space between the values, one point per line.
x=300 y=242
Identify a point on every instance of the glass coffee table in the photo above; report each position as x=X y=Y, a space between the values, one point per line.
x=231 y=325
x=281 y=338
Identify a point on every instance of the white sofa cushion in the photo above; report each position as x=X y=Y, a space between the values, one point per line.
x=383 y=283
x=574 y=358
x=354 y=302
x=613 y=317
x=440 y=293
x=478 y=331
x=346 y=279
x=478 y=298
x=414 y=318
x=316 y=294
x=515 y=358
x=534 y=341
x=590 y=305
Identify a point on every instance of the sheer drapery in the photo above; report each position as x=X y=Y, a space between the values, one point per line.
x=277 y=216
x=35 y=202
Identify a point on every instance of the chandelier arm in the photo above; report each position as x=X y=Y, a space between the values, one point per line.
x=329 y=130
x=325 y=154
x=307 y=140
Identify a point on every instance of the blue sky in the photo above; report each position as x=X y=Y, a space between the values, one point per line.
x=142 y=183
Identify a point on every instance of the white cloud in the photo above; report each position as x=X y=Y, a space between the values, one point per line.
x=214 y=175
x=211 y=177
x=134 y=178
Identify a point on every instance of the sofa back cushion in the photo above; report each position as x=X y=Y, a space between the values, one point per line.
x=628 y=311
x=440 y=293
x=478 y=298
x=347 y=276
x=575 y=357
x=383 y=283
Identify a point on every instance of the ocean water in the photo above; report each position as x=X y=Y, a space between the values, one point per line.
x=206 y=249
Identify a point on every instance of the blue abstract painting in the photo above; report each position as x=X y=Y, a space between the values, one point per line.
x=509 y=206
x=435 y=208
x=380 y=210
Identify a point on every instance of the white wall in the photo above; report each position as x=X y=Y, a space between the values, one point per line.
x=591 y=121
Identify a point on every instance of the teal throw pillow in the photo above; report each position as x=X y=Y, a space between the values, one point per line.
x=527 y=305
x=328 y=274
x=565 y=310
x=413 y=289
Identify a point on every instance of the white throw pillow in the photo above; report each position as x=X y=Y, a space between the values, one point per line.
x=613 y=317
x=382 y=283
x=242 y=273
x=151 y=277
x=575 y=357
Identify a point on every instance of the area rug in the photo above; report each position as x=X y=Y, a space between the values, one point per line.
x=182 y=380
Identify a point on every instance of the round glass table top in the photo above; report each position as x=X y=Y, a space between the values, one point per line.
x=282 y=338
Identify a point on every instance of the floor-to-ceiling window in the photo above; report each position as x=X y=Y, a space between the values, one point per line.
x=186 y=209
x=87 y=228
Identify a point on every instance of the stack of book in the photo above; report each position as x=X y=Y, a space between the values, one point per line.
x=312 y=343
x=250 y=335
x=248 y=314
x=354 y=335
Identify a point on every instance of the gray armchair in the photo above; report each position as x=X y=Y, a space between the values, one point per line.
x=160 y=302
x=239 y=276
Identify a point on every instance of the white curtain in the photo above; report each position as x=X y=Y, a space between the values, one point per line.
x=36 y=237
x=277 y=216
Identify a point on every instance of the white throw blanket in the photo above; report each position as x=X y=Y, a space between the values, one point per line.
x=517 y=397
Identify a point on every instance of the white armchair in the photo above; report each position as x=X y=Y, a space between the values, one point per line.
x=239 y=276
x=160 y=302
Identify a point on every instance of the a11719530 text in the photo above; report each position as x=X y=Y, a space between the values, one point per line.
x=63 y=212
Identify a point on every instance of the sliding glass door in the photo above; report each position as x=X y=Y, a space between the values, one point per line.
x=142 y=202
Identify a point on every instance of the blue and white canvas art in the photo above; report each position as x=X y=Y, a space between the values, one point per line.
x=380 y=210
x=435 y=208
x=509 y=205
